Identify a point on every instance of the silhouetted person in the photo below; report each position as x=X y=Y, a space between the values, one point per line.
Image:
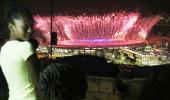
x=62 y=82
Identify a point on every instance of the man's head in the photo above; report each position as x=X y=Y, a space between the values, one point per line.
x=20 y=23
x=61 y=81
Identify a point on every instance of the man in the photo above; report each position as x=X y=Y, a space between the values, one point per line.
x=62 y=81
x=17 y=57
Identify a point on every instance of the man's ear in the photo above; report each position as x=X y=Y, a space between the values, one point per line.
x=10 y=26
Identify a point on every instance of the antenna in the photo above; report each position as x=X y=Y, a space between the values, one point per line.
x=53 y=34
x=51 y=27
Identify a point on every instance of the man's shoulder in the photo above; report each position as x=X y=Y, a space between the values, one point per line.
x=10 y=44
x=15 y=45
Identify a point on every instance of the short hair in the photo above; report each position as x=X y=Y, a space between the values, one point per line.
x=34 y=43
x=17 y=12
x=62 y=82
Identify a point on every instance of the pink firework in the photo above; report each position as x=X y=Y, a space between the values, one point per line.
x=98 y=29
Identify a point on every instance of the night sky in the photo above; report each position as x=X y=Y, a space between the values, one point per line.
x=79 y=7
x=62 y=6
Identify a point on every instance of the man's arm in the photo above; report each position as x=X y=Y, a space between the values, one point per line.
x=34 y=67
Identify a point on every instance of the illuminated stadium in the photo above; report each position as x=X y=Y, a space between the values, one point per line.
x=120 y=37
x=122 y=34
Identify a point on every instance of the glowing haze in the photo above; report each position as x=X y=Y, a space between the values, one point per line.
x=98 y=29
